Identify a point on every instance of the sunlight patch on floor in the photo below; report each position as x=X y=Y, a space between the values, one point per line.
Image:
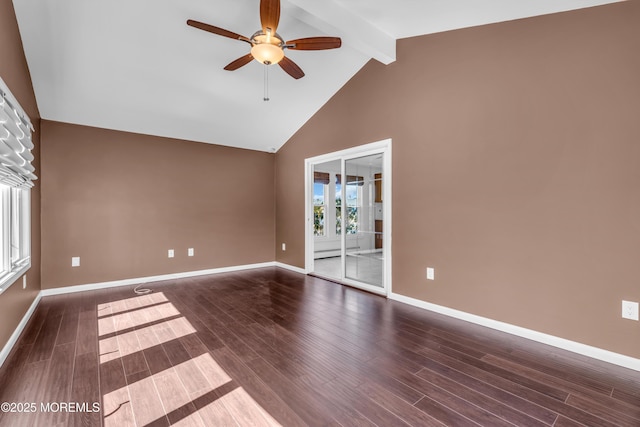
x=133 y=302
x=140 y=339
x=197 y=392
x=137 y=317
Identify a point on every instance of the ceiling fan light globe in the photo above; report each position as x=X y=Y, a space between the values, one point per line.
x=266 y=53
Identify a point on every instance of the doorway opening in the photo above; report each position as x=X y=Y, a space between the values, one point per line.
x=348 y=216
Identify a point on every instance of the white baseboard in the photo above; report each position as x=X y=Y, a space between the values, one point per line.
x=575 y=347
x=16 y=334
x=291 y=268
x=148 y=279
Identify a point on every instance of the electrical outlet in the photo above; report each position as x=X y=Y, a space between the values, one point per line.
x=75 y=261
x=431 y=273
x=24 y=282
x=630 y=310
x=171 y=253
x=190 y=252
x=284 y=247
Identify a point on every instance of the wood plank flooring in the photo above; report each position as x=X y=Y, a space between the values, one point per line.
x=270 y=347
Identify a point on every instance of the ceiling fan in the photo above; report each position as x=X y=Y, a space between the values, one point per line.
x=267 y=46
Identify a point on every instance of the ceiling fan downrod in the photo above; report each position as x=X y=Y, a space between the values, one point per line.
x=266 y=81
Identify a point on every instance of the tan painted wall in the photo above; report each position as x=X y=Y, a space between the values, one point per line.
x=13 y=70
x=119 y=201
x=516 y=156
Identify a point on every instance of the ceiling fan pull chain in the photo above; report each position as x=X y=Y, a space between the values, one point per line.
x=266 y=83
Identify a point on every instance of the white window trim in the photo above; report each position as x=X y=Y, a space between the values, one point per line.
x=11 y=277
x=19 y=269
x=13 y=272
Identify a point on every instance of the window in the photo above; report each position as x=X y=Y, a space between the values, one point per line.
x=16 y=179
x=15 y=215
x=20 y=226
x=320 y=195
x=319 y=208
x=354 y=200
x=338 y=206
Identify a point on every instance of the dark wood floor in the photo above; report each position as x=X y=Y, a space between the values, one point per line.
x=271 y=347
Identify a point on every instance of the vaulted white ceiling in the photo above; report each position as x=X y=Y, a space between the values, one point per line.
x=136 y=66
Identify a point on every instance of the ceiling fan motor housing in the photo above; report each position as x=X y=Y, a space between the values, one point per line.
x=267 y=48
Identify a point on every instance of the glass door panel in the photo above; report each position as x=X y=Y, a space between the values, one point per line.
x=327 y=249
x=361 y=219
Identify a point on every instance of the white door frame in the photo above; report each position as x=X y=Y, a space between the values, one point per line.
x=379 y=147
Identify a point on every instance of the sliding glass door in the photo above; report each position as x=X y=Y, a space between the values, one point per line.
x=347 y=216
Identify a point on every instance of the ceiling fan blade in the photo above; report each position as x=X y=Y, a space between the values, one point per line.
x=314 y=43
x=240 y=62
x=217 y=30
x=269 y=15
x=291 y=68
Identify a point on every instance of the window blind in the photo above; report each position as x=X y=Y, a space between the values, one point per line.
x=16 y=169
x=351 y=180
x=320 y=178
